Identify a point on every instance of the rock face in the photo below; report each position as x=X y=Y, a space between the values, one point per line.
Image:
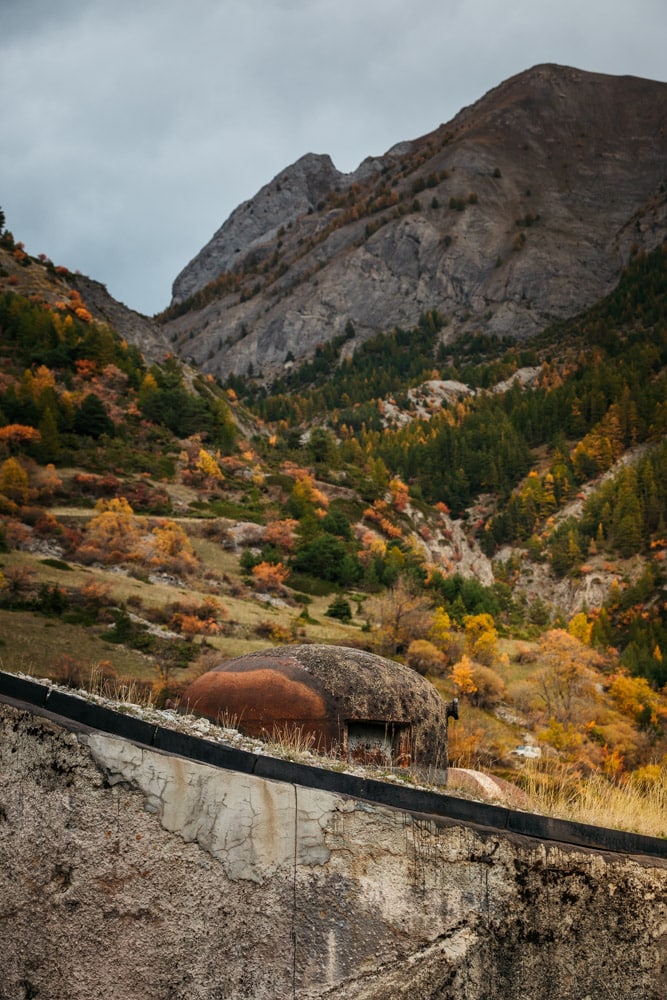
x=126 y=872
x=139 y=330
x=523 y=209
x=256 y=222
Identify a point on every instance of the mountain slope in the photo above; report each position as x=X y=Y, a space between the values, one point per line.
x=40 y=278
x=523 y=209
x=146 y=519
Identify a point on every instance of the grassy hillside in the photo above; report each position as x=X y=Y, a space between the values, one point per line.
x=506 y=543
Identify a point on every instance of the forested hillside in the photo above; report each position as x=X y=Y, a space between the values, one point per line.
x=491 y=513
x=597 y=395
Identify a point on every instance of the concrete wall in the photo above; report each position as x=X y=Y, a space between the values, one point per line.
x=127 y=872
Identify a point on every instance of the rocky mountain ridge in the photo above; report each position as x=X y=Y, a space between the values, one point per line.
x=256 y=222
x=523 y=209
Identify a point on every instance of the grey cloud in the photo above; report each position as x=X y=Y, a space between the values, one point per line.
x=130 y=131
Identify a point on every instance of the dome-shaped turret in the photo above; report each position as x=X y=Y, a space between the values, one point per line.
x=367 y=707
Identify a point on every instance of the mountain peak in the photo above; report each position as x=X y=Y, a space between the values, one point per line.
x=524 y=208
x=255 y=223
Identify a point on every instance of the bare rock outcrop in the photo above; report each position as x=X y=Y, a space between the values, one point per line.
x=256 y=222
x=522 y=210
x=142 y=331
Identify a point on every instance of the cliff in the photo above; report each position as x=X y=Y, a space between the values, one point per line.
x=523 y=209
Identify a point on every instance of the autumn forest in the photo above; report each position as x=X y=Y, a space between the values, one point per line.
x=491 y=512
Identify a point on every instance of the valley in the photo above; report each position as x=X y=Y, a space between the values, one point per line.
x=391 y=415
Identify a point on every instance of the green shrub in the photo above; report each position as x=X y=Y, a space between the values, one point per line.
x=340 y=609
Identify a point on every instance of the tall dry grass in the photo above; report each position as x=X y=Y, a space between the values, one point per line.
x=126 y=691
x=636 y=802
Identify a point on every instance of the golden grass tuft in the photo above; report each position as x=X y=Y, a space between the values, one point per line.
x=636 y=803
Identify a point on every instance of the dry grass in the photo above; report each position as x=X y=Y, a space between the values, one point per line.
x=638 y=806
x=124 y=690
x=214 y=557
x=33 y=644
x=291 y=741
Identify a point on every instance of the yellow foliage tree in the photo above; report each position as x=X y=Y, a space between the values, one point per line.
x=580 y=627
x=168 y=548
x=43 y=379
x=112 y=535
x=305 y=495
x=635 y=698
x=208 y=467
x=462 y=676
x=481 y=637
x=568 y=677
x=562 y=736
x=14 y=482
x=440 y=631
x=443 y=635
x=148 y=388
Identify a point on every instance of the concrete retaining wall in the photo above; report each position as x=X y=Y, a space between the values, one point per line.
x=129 y=871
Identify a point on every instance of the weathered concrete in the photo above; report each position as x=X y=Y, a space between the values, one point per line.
x=325 y=691
x=129 y=873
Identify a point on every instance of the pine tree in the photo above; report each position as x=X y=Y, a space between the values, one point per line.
x=49 y=446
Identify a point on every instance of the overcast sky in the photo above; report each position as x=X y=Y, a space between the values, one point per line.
x=130 y=129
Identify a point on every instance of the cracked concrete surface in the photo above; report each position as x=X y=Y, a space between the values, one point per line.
x=245 y=823
x=135 y=875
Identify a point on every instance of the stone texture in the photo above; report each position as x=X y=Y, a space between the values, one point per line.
x=142 y=331
x=130 y=874
x=256 y=222
x=581 y=156
x=485 y=787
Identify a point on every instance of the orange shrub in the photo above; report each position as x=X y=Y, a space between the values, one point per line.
x=194 y=625
x=86 y=368
x=281 y=533
x=399 y=494
x=269 y=576
x=95 y=592
x=19 y=434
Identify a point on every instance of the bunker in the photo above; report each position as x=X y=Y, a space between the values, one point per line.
x=362 y=706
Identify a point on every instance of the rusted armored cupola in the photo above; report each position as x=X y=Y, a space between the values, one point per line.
x=370 y=709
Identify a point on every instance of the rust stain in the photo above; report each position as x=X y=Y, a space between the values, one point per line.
x=254 y=697
x=333 y=695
